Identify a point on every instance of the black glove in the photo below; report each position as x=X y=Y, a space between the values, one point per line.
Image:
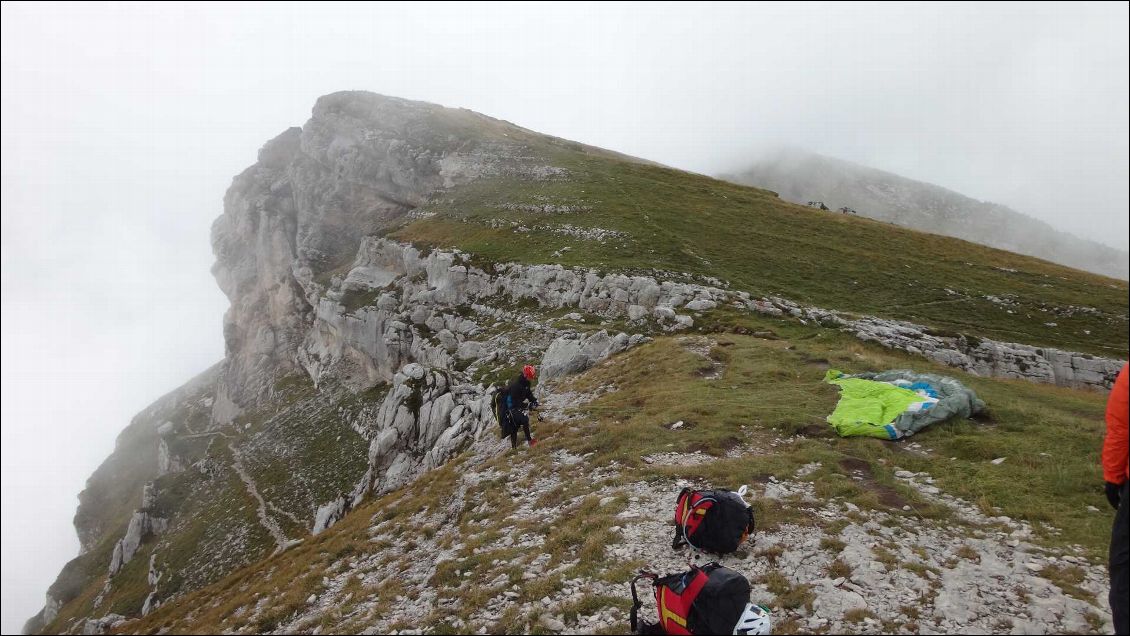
x=1113 y=494
x=534 y=404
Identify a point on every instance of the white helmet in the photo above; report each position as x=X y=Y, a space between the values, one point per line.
x=754 y=620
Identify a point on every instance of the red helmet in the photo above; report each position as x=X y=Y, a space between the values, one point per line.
x=529 y=372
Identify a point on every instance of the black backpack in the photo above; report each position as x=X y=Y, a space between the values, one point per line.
x=704 y=600
x=505 y=423
x=712 y=520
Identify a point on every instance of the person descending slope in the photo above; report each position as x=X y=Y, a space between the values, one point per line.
x=512 y=405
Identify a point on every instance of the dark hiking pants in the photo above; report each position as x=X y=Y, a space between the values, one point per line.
x=518 y=419
x=1120 y=565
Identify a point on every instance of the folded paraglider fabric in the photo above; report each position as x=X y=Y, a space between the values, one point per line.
x=895 y=404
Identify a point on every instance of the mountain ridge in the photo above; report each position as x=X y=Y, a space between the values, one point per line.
x=800 y=176
x=390 y=262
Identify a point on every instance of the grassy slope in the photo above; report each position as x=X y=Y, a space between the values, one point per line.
x=1051 y=436
x=301 y=452
x=682 y=222
x=770 y=389
x=214 y=529
x=112 y=494
x=306 y=454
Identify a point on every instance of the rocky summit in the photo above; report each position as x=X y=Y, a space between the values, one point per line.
x=391 y=263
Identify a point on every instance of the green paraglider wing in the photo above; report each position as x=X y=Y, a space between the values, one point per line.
x=894 y=404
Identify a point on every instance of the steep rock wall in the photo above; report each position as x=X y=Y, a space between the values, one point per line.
x=358 y=165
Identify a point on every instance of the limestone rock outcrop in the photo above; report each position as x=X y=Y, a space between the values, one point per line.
x=102 y=625
x=573 y=354
x=424 y=419
x=380 y=338
x=356 y=167
x=142 y=525
x=979 y=356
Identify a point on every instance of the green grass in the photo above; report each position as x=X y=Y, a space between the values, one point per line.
x=777 y=391
x=673 y=221
x=1051 y=435
x=352 y=300
x=832 y=545
x=858 y=615
x=786 y=595
x=312 y=434
x=1068 y=578
x=838 y=568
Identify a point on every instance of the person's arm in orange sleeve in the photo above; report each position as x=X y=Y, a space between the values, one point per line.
x=1116 y=446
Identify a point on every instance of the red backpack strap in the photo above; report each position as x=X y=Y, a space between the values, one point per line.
x=690 y=509
x=682 y=500
x=673 y=608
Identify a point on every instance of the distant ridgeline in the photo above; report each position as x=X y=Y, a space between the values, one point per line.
x=851 y=188
x=391 y=261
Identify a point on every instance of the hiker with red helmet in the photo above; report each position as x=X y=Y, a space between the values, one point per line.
x=513 y=403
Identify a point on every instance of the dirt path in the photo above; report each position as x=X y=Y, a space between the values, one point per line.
x=265 y=519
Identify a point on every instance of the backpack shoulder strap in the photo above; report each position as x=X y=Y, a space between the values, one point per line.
x=684 y=511
x=697 y=583
x=682 y=500
x=675 y=603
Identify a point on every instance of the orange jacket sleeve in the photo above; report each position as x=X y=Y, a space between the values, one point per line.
x=1116 y=445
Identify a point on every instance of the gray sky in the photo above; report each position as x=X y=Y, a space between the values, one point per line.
x=124 y=124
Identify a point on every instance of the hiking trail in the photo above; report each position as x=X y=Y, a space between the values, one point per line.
x=265 y=519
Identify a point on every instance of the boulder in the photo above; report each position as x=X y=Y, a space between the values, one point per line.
x=701 y=305
x=447 y=340
x=636 y=312
x=421 y=423
x=141 y=526
x=570 y=354
x=470 y=350
x=832 y=603
x=102 y=625
x=151 y=603
x=167 y=462
x=328 y=514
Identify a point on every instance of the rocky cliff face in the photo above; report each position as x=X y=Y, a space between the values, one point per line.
x=334 y=344
x=357 y=167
